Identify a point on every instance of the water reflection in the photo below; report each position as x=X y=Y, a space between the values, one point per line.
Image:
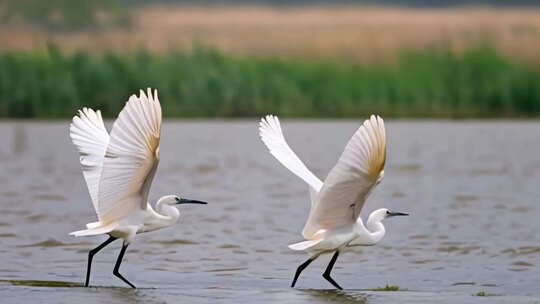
x=126 y=295
x=336 y=296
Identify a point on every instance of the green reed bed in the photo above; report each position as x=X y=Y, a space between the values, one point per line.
x=205 y=83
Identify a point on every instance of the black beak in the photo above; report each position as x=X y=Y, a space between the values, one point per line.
x=397 y=213
x=188 y=201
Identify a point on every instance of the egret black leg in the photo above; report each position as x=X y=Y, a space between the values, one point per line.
x=91 y=256
x=117 y=266
x=300 y=269
x=328 y=270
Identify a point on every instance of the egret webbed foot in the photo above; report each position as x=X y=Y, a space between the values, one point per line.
x=329 y=279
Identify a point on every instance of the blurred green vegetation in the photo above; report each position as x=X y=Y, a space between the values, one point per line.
x=66 y=14
x=205 y=83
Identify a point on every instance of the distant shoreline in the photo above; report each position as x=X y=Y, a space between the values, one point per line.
x=355 y=32
x=433 y=83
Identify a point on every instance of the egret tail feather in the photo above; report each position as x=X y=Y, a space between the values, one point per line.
x=96 y=230
x=305 y=245
x=93 y=225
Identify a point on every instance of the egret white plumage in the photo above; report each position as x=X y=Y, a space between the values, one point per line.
x=334 y=221
x=119 y=169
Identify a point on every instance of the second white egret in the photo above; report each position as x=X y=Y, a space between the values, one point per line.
x=119 y=169
x=334 y=221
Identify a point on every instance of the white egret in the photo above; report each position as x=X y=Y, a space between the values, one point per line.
x=119 y=169
x=334 y=221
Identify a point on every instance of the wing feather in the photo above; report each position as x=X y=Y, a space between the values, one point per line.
x=272 y=136
x=88 y=134
x=131 y=158
x=358 y=170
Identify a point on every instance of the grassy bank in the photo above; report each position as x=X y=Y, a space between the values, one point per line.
x=204 y=83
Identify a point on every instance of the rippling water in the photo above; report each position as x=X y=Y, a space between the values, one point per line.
x=472 y=189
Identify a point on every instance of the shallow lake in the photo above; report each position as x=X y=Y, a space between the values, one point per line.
x=472 y=189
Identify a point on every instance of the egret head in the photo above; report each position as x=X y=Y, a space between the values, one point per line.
x=388 y=213
x=171 y=200
x=179 y=200
x=384 y=213
x=165 y=206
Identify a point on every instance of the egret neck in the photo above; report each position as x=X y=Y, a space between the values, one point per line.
x=166 y=214
x=375 y=226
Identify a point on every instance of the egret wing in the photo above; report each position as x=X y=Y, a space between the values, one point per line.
x=358 y=170
x=272 y=136
x=131 y=159
x=89 y=135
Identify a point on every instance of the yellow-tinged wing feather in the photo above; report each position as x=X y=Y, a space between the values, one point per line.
x=131 y=158
x=345 y=189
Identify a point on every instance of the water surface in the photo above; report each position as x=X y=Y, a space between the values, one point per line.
x=471 y=188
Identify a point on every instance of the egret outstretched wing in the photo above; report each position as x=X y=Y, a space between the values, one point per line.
x=131 y=158
x=272 y=136
x=89 y=135
x=358 y=170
